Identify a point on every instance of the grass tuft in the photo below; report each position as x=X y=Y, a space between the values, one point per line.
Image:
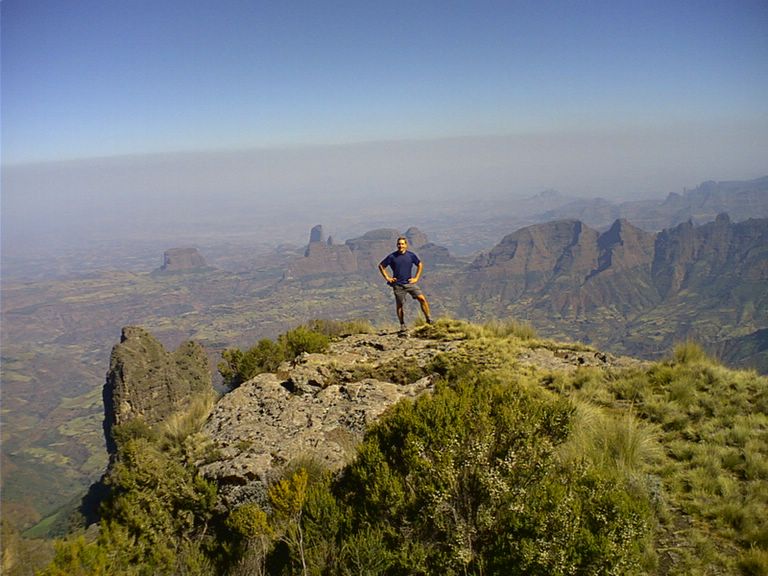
x=179 y=426
x=509 y=327
x=623 y=443
x=754 y=562
x=340 y=328
x=689 y=352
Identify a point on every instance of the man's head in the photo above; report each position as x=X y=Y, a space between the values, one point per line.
x=402 y=245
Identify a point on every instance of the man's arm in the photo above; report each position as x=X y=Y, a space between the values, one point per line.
x=387 y=277
x=419 y=268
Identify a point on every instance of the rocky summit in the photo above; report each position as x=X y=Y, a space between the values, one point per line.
x=318 y=406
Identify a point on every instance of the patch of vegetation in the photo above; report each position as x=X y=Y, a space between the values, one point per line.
x=238 y=366
x=468 y=481
x=302 y=340
x=155 y=519
x=393 y=371
x=465 y=481
x=702 y=431
x=266 y=355
x=340 y=328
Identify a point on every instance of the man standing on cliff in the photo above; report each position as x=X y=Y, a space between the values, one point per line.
x=402 y=261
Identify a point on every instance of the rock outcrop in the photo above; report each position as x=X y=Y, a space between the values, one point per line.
x=182 y=260
x=147 y=382
x=316 y=234
x=319 y=405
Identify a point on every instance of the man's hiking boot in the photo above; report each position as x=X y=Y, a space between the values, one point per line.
x=403 y=330
x=429 y=320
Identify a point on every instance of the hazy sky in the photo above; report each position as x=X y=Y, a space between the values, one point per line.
x=604 y=98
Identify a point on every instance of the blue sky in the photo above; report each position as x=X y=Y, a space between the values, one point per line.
x=90 y=78
x=147 y=117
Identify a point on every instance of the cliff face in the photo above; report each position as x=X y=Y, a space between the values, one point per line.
x=146 y=382
x=626 y=289
x=563 y=267
x=690 y=256
x=533 y=258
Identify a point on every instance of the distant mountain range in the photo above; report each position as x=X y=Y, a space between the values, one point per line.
x=630 y=291
x=739 y=199
x=466 y=227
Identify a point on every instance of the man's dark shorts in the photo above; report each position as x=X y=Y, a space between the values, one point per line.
x=402 y=289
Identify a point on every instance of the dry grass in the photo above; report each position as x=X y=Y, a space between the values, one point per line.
x=619 y=441
x=179 y=426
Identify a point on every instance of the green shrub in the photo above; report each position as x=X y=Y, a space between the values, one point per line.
x=237 y=366
x=266 y=355
x=152 y=522
x=133 y=429
x=76 y=557
x=467 y=481
x=365 y=552
x=302 y=339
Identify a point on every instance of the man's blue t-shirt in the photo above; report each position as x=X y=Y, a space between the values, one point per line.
x=402 y=265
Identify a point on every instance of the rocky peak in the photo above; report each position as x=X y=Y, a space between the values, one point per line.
x=362 y=254
x=317 y=234
x=147 y=382
x=624 y=246
x=416 y=238
x=542 y=252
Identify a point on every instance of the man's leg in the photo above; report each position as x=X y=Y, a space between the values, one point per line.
x=399 y=306
x=425 y=307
